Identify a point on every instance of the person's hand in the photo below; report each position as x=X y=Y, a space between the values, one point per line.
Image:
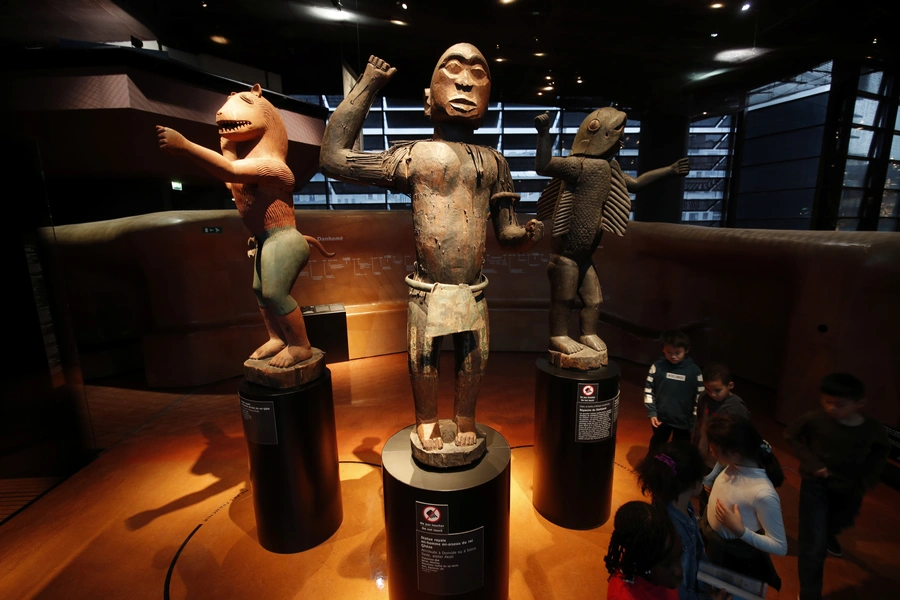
x=823 y=473
x=720 y=595
x=378 y=71
x=534 y=229
x=655 y=422
x=170 y=140
x=731 y=519
x=681 y=167
x=542 y=123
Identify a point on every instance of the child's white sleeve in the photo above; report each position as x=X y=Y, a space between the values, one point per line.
x=649 y=404
x=767 y=505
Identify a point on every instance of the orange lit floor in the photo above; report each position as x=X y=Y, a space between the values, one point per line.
x=115 y=529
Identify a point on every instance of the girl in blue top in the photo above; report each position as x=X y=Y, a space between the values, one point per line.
x=672 y=476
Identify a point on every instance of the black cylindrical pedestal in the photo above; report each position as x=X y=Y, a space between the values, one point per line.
x=575 y=417
x=294 y=474
x=447 y=530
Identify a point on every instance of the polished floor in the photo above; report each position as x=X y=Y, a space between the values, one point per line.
x=166 y=511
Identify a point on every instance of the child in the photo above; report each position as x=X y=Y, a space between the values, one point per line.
x=718 y=398
x=672 y=478
x=644 y=558
x=743 y=524
x=670 y=394
x=841 y=455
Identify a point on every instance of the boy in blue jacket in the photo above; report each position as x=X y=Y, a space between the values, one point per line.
x=670 y=394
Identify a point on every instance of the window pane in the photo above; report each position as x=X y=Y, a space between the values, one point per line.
x=887 y=224
x=864 y=111
x=871 y=82
x=889 y=204
x=850 y=201
x=892 y=181
x=855 y=173
x=897 y=122
x=847 y=224
x=895 y=146
x=860 y=142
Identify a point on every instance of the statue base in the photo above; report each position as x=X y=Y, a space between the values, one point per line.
x=259 y=372
x=585 y=359
x=450 y=455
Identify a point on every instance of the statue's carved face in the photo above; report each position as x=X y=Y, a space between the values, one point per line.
x=601 y=134
x=242 y=117
x=460 y=87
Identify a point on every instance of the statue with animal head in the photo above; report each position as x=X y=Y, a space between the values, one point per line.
x=254 y=146
x=587 y=196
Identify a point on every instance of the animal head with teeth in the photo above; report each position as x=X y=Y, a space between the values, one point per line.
x=247 y=116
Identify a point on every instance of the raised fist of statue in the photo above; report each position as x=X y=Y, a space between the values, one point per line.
x=379 y=71
x=542 y=123
x=682 y=166
x=535 y=230
x=170 y=140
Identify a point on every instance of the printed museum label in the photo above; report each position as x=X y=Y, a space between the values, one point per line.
x=259 y=421
x=448 y=563
x=595 y=420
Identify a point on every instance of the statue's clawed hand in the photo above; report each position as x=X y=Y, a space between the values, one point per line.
x=534 y=229
x=170 y=140
x=681 y=166
x=542 y=123
x=379 y=71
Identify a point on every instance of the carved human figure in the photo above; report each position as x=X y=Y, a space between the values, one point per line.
x=254 y=146
x=456 y=185
x=587 y=196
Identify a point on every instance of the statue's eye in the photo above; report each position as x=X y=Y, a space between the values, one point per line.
x=477 y=72
x=594 y=125
x=246 y=98
x=453 y=67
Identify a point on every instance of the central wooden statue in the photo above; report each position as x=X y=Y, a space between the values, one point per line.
x=455 y=185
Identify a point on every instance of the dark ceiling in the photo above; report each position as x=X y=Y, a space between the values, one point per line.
x=647 y=55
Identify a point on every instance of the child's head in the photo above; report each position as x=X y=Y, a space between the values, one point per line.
x=644 y=543
x=733 y=439
x=717 y=381
x=676 y=345
x=674 y=470
x=842 y=395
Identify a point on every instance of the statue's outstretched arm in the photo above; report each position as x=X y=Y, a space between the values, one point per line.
x=680 y=167
x=271 y=172
x=337 y=157
x=509 y=233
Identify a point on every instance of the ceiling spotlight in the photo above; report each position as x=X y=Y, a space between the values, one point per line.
x=548 y=77
x=540 y=54
x=549 y=88
x=203 y=4
x=875 y=41
x=499 y=59
x=540 y=93
x=396 y=22
x=739 y=55
x=746 y=7
x=714 y=35
x=219 y=39
x=330 y=14
x=704 y=112
x=716 y=5
x=579 y=81
x=404 y=6
x=507 y=1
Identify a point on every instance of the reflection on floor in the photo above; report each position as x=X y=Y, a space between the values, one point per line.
x=167 y=510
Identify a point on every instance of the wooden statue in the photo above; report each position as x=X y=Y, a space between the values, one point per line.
x=587 y=196
x=456 y=185
x=252 y=164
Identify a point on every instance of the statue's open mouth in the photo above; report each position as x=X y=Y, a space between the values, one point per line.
x=463 y=104
x=230 y=126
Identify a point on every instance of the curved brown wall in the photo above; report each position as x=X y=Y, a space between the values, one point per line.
x=753 y=299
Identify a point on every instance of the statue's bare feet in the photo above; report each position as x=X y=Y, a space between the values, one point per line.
x=465 y=431
x=593 y=341
x=430 y=436
x=565 y=344
x=290 y=356
x=270 y=348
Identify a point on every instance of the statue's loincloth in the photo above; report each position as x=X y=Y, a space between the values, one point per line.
x=452 y=308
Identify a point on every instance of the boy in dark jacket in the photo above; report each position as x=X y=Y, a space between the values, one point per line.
x=671 y=391
x=841 y=454
x=718 y=398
